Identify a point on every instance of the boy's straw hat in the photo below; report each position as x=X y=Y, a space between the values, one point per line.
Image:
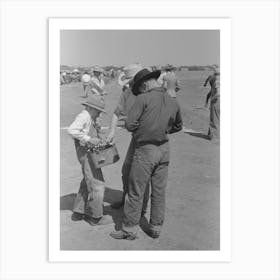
x=95 y=102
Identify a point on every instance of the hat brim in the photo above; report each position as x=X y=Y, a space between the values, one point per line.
x=98 y=70
x=93 y=106
x=136 y=85
x=123 y=82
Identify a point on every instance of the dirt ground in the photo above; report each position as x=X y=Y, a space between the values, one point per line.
x=193 y=193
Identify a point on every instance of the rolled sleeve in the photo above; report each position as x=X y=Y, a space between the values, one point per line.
x=120 y=109
x=77 y=129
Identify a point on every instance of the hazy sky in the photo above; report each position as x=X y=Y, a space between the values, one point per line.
x=148 y=47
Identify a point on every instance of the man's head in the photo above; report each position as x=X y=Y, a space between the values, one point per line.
x=216 y=69
x=168 y=68
x=145 y=80
x=148 y=85
x=95 y=106
x=129 y=71
x=98 y=71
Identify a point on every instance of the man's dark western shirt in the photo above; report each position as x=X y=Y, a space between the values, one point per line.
x=154 y=115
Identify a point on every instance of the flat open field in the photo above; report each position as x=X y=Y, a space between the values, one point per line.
x=193 y=192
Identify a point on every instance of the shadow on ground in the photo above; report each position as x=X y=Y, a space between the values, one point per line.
x=110 y=196
x=199 y=135
x=67 y=202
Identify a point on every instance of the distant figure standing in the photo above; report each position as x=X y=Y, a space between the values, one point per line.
x=162 y=74
x=85 y=81
x=214 y=128
x=97 y=83
x=210 y=80
x=61 y=79
x=113 y=74
x=170 y=82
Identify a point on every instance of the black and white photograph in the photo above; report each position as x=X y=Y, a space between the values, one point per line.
x=140 y=139
x=146 y=104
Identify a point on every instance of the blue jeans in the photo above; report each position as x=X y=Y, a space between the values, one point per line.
x=149 y=164
x=125 y=174
x=89 y=199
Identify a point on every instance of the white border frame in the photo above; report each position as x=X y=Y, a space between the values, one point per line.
x=55 y=25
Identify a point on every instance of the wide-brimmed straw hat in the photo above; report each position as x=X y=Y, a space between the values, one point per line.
x=168 y=67
x=128 y=73
x=142 y=76
x=95 y=102
x=98 y=69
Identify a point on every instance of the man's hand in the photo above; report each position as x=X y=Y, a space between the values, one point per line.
x=110 y=137
x=98 y=121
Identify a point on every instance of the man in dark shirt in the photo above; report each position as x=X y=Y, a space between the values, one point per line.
x=211 y=79
x=153 y=115
x=126 y=101
x=214 y=128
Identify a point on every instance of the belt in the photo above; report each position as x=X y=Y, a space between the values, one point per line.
x=155 y=143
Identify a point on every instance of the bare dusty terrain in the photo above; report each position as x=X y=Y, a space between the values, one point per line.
x=193 y=193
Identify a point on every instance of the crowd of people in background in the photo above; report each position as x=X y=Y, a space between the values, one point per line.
x=150 y=111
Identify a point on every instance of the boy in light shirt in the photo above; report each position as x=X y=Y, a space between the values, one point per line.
x=88 y=203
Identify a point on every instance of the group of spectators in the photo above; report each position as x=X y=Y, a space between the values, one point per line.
x=67 y=76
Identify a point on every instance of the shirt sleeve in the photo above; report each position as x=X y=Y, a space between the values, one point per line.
x=76 y=129
x=132 y=121
x=121 y=106
x=206 y=81
x=164 y=81
x=178 y=123
x=96 y=84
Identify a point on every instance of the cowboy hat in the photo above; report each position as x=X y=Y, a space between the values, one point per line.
x=128 y=73
x=96 y=103
x=142 y=76
x=98 y=69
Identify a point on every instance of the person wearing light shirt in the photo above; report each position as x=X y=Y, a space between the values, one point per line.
x=96 y=83
x=85 y=81
x=170 y=82
x=88 y=204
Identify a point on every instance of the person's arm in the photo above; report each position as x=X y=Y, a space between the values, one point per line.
x=76 y=130
x=96 y=84
x=207 y=98
x=135 y=113
x=178 y=123
x=206 y=82
x=114 y=121
x=113 y=125
x=177 y=86
x=164 y=82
